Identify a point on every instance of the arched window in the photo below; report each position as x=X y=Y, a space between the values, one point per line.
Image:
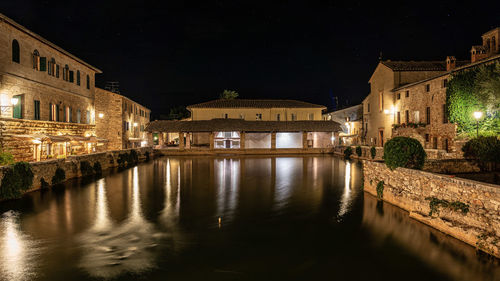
x=36 y=60
x=78 y=77
x=88 y=82
x=15 y=51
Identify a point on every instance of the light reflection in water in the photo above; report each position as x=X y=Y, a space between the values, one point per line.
x=346 y=200
x=288 y=172
x=18 y=253
x=227 y=181
x=127 y=247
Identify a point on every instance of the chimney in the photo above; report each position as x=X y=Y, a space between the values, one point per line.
x=450 y=63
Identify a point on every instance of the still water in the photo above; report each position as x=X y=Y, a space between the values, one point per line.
x=205 y=218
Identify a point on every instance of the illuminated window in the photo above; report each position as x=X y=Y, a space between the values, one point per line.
x=15 y=51
x=54 y=112
x=294 y=117
x=258 y=116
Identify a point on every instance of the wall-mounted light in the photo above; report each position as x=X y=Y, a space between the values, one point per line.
x=14 y=101
x=135 y=124
x=101 y=115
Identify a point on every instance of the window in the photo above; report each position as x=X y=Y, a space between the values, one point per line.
x=368 y=107
x=68 y=114
x=66 y=73
x=407 y=116
x=225 y=116
x=15 y=51
x=57 y=71
x=428 y=115
x=407 y=94
x=427 y=137
x=37 y=110
x=71 y=76
x=311 y=116
x=78 y=77
x=294 y=117
x=445 y=114
x=78 y=116
x=416 y=116
x=36 y=60
x=399 y=117
x=51 y=67
x=17 y=111
x=258 y=116
x=380 y=101
x=53 y=112
x=88 y=117
x=445 y=83
x=88 y=82
x=399 y=96
x=428 y=87
x=278 y=117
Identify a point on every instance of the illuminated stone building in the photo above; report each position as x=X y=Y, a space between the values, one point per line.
x=46 y=97
x=120 y=120
x=249 y=126
x=351 y=122
x=407 y=98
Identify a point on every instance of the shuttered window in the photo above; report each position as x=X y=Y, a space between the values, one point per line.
x=15 y=51
x=18 y=108
x=57 y=71
x=428 y=115
x=78 y=77
x=71 y=76
x=37 y=110
x=88 y=82
x=43 y=64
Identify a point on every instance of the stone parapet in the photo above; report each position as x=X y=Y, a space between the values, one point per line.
x=413 y=190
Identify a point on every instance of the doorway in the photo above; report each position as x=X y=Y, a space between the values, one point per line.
x=381 y=137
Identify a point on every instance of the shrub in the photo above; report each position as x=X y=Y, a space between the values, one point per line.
x=17 y=179
x=59 y=176
x=123 y=159
x=380 y=189
x=373 y=152
x=359 y=151
x=6 y=158
x=484 y=149
x=97 y=168
x=147 y=155
x=347 y=152
x=404 y=152
x=44 y=184
x=134 y=157
x=86 y=168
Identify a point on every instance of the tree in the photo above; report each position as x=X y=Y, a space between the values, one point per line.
x=229 y=95
x=177 y=113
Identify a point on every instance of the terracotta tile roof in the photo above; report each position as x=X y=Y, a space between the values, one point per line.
x=247 y=103
x=216 y=125
x=420 y=65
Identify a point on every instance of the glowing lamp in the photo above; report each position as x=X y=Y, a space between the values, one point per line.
x=386 y=111
x=14 y=101
x=135 y=124
x=37 y=141
x=101 y=115
x=478 y=114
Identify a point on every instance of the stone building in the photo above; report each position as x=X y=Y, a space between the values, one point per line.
x=351 y=122
x=46 y=97
x=120 y=120
x=408 y=98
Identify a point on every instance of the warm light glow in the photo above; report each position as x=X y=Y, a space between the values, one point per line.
x=37 y=141
x=144 y=143
x=101 y=115
x=135 y=124
x=478 y=114
x=14 y=101
x=386 y=111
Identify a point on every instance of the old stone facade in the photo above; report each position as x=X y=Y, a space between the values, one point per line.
x=351 y=122
x=408 y=99
x=476 y=223
x=120 y=120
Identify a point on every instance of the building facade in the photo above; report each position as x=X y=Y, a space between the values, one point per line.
x=45 y=93
x=416 y=106
x=351 y=122
x=120 y=120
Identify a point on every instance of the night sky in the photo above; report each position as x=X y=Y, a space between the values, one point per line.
x=170 y=53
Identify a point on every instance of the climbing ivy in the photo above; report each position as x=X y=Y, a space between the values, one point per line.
x=17 y=178
x=475 y=89
x=435 y=203
x=380 y=189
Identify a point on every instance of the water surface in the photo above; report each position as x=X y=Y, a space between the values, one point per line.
x=205 y=218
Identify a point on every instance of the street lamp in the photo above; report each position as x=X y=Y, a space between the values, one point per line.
x=477 y=115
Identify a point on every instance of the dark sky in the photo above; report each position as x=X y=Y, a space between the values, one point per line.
x=168 y=53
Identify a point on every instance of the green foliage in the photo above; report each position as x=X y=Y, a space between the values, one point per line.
x=373 y=152
x=59 y=176
x=147 y=155
x=484 y=150
x=476 y=89
x=347 y=153
x=134 y=157
x=359 y=151
x=176 y=113
x=128 y=159
x=44 y=184
x=86 y=168
x=435 y=203
x=6 y=158
x=380 y=189
x=16 y=180
x=229 y=95
x=97 y=168
x=409 y=125
x=404 y=152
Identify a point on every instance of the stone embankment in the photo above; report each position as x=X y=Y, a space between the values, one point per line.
x=71 y=165
x=465 y=209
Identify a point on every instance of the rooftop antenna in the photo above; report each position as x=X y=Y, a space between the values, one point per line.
x=380 y=56
x=113 y=86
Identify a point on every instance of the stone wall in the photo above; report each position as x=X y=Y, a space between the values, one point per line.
x=110 y=126
x=413 y=189
x=71 y=165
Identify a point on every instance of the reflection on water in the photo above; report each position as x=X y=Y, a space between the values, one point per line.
x=18 y=253
x=280 y=218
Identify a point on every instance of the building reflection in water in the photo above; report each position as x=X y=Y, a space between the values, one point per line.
x=18 y=253
x=349 y=193
x=289 y=172
x=226 y=186
x=440 y=251
x=112 y=249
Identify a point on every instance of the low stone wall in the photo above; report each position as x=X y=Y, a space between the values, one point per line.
x=413 y=190
x=451 y=166
x=71 y=165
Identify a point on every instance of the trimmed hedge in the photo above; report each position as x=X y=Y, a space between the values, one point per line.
x=484 y=149
x=347 y=153
x=59 y=176
x=404 y=152
x=16 y=180
x=359 y=152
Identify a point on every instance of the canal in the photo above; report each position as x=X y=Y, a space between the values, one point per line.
x=207 y=218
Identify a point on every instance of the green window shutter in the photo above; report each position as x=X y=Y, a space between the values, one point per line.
x=71 y=76
x=50 y=112
x=57 y=71
x=43 y=63
x=57 y=112
x=17 y=111
x=37 y=110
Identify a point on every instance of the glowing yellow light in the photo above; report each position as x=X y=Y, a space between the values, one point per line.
x=135 y=124
x=14 y=101
x=386 y=111
x=101 y=115
x=478 y=114
x=37 y=141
